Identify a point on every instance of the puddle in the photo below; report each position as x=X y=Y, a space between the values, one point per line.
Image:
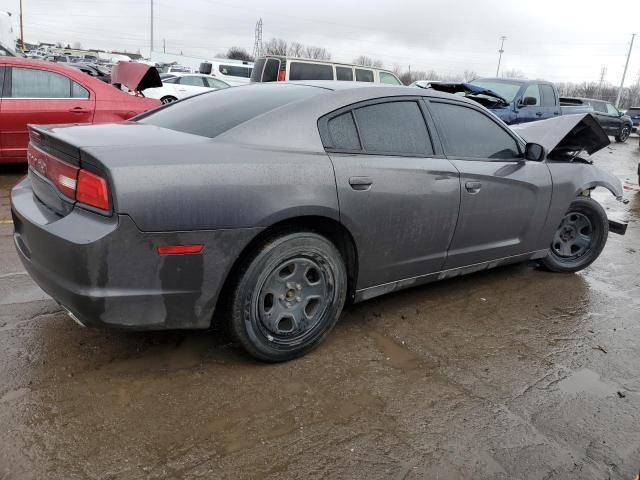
x=586 y=381
x=396 y=354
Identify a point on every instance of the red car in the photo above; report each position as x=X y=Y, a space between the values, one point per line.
x=38 y=92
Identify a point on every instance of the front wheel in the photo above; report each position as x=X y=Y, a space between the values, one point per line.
x=580 y=237
x=167 y=99
x=623 y=135
x=288 y=296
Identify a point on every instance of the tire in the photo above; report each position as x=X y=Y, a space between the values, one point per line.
x=288 y=296
x=580 y=238
x=623 y=135
x=167 y=99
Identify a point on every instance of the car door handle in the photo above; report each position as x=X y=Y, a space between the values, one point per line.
x=538 y=114
x=360 y=183
x=79 y=110
x=473 y=187
x=556 y=113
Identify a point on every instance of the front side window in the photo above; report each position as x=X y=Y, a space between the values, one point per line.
x=611 y=110
x=310 y=71
x=534 y=92
x=215 y=83
x=78 y=91
x=32 y=83
x=468 y=133
x=364 y=75
x=394 y=128
x=344 y=73
x=389 y=79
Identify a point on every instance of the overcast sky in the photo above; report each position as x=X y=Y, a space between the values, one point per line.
x=558 y=40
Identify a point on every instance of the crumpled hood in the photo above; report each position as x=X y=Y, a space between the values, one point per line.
x=467 y=89
x=135 y=76
x=565 y=136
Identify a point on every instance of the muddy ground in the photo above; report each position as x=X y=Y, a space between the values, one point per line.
x=512 y=373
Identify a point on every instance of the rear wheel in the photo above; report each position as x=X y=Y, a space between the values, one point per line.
x=288 y=296
x=623 y=135
x=580 y=237
x=168 y=99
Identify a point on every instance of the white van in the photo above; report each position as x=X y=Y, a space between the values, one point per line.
x=272 y=68
x=234 y=72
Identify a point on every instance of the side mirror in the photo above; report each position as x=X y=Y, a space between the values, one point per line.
x=528 y=101
x=534 y=152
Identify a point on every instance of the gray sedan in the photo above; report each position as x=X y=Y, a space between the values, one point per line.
x=274 y=204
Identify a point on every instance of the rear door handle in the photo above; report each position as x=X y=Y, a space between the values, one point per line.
x=360 y=183
x=473 y=187
x=79 y=110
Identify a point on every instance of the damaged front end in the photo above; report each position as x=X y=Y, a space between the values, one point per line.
x=565 y=139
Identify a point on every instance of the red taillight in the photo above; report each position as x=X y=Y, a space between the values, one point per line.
x=282 y=75
x=60 y=173
x=73 y=182
x=179 y=249
x=92 y=190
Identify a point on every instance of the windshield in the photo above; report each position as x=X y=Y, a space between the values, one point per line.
x=507 y=90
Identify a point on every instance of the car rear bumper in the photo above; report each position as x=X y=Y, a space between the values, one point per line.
x=106 y=272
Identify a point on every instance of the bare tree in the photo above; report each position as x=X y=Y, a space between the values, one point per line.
x=317 y=53
x=237 y=53
x=275 y=46
x=366 y=61
x=513 y=73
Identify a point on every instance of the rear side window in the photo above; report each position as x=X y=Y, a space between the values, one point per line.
x=235 y=71
x=271 y=69
x=389 y=79
x=214 y=112
x=310 y=71
x=548 y=95
x=344 y=73
x=364 y=75
x=468 y=133
x=257 y=70
x=32 y=83
x=193 y=81
x=395 y=128
x=343 y=132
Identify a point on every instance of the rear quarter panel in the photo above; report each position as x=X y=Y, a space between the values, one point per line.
x=208 y=185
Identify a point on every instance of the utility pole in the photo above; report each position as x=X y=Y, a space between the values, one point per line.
x=151 y=33
x=603 y=73
x=21 y=30
x=257 y=40
x=501 y=51
x=164 y=45
x=624 y=74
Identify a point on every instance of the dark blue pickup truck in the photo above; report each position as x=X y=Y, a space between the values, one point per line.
x=515 y=101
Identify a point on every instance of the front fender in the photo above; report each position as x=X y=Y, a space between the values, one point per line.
x=600 y=178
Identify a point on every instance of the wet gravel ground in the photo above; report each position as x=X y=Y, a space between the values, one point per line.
x=511 y=373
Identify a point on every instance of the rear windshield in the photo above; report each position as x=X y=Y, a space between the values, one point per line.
x=634 y=111
x=213 y=113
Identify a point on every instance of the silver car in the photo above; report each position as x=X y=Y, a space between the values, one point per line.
x=274 y=204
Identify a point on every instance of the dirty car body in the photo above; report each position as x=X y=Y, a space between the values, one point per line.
x=377 y=170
